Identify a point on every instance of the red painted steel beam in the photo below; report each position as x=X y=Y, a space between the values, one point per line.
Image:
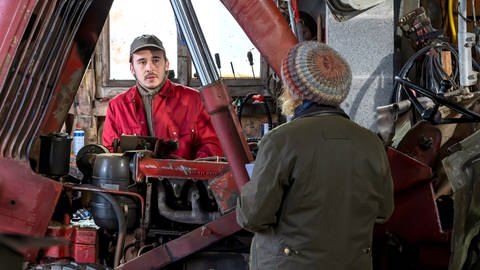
x=27 y=200
x=185 y=245
x=265 y=26
x=407 y=171
x=76 y=62
x=179 y=168
x=14 y=17
x=218 y=105
x=268 y=30
x=416 y=217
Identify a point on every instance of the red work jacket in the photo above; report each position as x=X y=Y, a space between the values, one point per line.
x=177 y=114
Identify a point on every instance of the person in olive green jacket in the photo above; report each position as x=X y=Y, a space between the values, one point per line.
x=319 y=182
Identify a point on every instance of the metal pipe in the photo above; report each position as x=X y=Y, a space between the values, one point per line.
x=466 y=41
x=219 y=106
x=122 y=226
x=117 y=192
x=216 y=98
x=192 y=33
x=194 y=216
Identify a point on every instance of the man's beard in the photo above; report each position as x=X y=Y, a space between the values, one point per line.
x=150 y=90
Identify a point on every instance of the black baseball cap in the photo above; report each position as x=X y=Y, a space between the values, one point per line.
x=146 y=41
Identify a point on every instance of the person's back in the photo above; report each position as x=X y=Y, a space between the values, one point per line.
x=335 y=192
x=319 y=182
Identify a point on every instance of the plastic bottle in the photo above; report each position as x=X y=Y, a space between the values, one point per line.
x=78 y=139
x=264 y=129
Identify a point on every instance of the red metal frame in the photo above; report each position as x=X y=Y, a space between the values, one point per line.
x=27 y=200
x=179 y=168
x=14 y=15
x=225 y=191
x=81 y=247
x=75 y=65
x=407 y=171
x=185 y=245
x=221 y=179
x=265 y=27
x=226 y=124
x=415 y=217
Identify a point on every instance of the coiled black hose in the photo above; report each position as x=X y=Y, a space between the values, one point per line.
x=267 y=110
x=430 y=71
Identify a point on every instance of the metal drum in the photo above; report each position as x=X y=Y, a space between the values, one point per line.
x=111 y=171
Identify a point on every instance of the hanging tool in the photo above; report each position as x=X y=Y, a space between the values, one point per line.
x=233 y=70
x=218 y=63
x=250 y=60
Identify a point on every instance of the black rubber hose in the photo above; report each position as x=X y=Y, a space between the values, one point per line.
x=240 y=108
x=404 y=71
x=412 y=60
x=121 y=223
x=267 y=110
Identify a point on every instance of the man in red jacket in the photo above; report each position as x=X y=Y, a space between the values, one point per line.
x=157 y=107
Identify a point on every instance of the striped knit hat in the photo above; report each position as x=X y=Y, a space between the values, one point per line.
x=316 y=72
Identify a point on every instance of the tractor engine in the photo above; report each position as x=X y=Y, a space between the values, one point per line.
x=140 y=201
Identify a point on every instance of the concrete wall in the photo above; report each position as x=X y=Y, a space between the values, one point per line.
x=367 y=42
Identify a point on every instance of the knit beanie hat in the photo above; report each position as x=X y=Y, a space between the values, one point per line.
x=317 y=72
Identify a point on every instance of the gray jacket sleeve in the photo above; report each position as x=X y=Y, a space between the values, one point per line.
x=260 y=199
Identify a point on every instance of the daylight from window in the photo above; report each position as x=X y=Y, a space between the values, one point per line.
x=129 y=19
x=224 y=36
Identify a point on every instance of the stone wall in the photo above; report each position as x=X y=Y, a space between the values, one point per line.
x=367 y=42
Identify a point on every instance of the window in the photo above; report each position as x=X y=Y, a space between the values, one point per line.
x=129 y=19
x=225 y=37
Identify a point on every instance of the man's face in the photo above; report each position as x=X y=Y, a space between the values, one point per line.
x=149 y=67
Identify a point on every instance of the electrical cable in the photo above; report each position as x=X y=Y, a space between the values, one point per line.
x=451 y=21
x=265 y=104
x=424 y=74
x=471 y=116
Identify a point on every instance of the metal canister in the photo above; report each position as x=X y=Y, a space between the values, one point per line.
x=54 y=154
x=112 y=171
